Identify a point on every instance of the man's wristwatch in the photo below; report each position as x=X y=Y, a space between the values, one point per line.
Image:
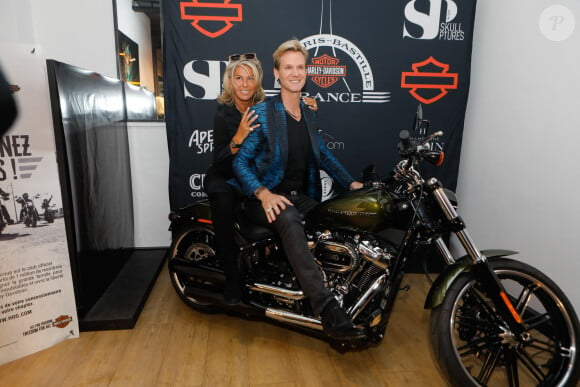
x=234 y=145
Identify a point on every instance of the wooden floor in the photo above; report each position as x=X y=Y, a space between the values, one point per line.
x=173 y=345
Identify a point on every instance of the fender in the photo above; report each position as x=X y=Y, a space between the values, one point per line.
x=197 y=212
x=443 y=282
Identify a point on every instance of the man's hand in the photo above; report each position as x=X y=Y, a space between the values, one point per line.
x=272 y=203
x=355 y=185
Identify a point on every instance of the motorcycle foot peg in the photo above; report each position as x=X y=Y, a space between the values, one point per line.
x=406 y=288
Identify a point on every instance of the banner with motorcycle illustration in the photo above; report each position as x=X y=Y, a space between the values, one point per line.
x=37 y=304
x=370 y=66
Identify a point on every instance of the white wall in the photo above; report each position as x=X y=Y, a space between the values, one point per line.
x=76 y=32
x=150 y=174
x=519 y=184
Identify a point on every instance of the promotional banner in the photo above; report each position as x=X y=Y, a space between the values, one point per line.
x=37 y=304
x=371 y=64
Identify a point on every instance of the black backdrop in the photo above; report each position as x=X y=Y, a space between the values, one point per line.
x=90 y=114
x=371 y=63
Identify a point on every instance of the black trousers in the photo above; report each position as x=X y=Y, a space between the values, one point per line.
x=223 y=198
x=289 y=226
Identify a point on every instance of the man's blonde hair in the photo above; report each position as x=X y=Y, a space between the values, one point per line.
x=289 y=45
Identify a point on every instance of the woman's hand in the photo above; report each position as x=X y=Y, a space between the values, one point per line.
x=246 y=126
x=273 y=204
x=311 y=103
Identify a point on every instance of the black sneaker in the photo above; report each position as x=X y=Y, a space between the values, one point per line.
x=336 y=323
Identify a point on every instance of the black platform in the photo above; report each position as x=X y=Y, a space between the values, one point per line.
x=121 y=303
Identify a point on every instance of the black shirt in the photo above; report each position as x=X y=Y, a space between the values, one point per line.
x=299 y=152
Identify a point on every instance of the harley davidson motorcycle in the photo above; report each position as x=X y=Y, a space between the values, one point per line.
x=494 y=320
x=47 y=210
x=4 y=219
x=28 y=213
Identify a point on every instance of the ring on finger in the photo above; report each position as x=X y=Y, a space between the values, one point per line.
x=268 y=209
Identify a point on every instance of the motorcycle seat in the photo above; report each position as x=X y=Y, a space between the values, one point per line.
x=251 y=231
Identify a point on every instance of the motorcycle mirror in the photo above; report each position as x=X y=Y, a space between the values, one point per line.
x=418 y=117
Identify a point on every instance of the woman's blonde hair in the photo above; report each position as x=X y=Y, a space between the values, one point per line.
x=289 y=45
x=227 y=95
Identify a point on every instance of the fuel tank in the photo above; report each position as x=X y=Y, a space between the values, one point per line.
x=367 y=209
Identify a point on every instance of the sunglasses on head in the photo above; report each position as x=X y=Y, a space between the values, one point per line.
x=247 y=56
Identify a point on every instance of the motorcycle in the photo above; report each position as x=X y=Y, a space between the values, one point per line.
x=47 y=210
x=494 y=320
x=4 y=218
x=28 y=213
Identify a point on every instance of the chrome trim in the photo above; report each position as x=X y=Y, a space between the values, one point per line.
x=362 y=302
x=444 y=251
x=327 y=246
x=464 y=237
x=276 y=291
x=377 y=257
x=292 y=318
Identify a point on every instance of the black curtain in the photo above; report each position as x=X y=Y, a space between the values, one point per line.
x=90 y=121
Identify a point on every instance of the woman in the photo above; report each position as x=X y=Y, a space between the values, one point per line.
x=234 y=120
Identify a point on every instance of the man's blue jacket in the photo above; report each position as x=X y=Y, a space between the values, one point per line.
x=262 y=159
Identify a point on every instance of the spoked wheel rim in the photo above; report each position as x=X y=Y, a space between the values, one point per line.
x=493 y=355
x=194 y=246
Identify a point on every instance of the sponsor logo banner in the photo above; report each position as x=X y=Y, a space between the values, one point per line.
x=367 y=70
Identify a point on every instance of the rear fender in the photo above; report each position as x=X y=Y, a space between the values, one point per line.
x=198 y=212
x=443 y=282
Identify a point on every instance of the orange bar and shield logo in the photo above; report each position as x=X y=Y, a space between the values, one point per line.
x=429 y=86
x=212 y=19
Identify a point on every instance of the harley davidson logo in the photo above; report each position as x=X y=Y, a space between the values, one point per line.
x=429 y=86
x=61 y=321
x=324 y=70
x=217 y=17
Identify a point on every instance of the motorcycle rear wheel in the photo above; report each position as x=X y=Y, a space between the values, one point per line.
x=474 y=346
x=194 y=244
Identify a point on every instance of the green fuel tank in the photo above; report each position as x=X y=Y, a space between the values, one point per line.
x=368 y=210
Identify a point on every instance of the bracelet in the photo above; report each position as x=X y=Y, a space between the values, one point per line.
x=259 y=190
x=234 y=145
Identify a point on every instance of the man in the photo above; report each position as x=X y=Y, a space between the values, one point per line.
x=279 y=165
x=3 y=210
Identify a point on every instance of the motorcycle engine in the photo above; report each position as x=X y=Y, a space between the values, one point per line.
x=351 y=262
x=335 y=257
x=341 y=253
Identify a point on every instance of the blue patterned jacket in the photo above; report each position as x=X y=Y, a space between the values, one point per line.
x=262 y=159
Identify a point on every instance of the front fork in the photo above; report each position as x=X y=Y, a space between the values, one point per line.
x=491 y=284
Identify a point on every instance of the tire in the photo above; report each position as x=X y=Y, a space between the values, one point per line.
x=195 y=244
x=466 y=336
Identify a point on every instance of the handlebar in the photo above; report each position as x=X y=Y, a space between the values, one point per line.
x=410 y=148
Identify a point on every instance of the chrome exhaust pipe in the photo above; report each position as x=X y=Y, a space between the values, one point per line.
x=293 y=318
x=355 y=310
x=276 y=291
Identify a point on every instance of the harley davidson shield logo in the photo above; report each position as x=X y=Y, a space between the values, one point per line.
x=61 y=321
x=325 y=71
x=429 y=86
x=212 y=19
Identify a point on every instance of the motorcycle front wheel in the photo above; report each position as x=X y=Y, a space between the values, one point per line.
x=475 y=347
x=194 y=244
